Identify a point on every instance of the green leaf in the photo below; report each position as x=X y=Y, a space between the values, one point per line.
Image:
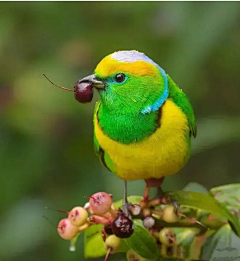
x=131 y=199
x=204 y=202
x=116 y=257
x=222 y=245
x=195 y=187
x=93 y=242
x=229 y=195
x=123 y=248
x=142 y=242
x=167 y=259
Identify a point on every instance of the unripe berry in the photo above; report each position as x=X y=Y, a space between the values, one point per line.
x=166 y=235
x=133 y=256
x=169 y=214
x=122 y=227
x=135 y=209
x=148 y=222
x=78 y=216
x=100 y=203
x=66 y=230
x=112 y=242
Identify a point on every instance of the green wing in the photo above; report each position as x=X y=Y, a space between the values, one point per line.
x=103 y=156
x=182 y=101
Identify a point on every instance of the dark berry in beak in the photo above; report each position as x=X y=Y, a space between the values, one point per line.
x=83 y=91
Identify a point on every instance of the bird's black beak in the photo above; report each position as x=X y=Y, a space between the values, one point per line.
x=100 y=85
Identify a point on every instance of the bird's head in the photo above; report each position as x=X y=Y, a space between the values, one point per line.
x=130 y=81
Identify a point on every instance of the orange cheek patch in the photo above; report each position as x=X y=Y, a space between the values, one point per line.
x=108 y=67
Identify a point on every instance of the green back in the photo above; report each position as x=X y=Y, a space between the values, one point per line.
x=182 y=101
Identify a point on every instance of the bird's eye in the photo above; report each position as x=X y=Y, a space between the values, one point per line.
x=120 y=77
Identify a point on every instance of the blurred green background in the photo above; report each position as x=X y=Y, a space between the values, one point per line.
x=46 y=146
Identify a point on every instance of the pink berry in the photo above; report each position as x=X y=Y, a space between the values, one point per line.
x=100 y=203
x=78 y=216
x=66 y=230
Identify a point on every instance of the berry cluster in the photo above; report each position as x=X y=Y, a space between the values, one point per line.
x=157 y=217
x=99 y=210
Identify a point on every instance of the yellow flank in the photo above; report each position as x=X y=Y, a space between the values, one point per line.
x=109 y=66
x=163 y=153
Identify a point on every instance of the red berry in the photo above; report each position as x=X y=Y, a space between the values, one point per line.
x=83 y=91
x=108 y=229
x=122 y=226
x=100 y=203
x=78 y=216
x=66 y=230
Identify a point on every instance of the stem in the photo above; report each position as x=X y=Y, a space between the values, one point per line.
x=161 y=223
x=99 y=220
x=83 y=227
x=108 y=253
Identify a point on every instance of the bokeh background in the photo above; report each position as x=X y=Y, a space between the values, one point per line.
x=46 y=146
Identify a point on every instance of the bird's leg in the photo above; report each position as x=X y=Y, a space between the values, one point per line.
x=160 y=197
x=150 y=183
x=145 y=199
x=160 y=192
x=126 y=204
x=146 y=193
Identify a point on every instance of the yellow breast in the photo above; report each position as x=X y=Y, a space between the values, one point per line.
x=163 y=153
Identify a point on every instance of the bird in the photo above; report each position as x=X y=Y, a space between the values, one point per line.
x=143 y=122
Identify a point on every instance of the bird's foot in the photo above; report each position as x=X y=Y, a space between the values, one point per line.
x=162 y=199
x=150 y=183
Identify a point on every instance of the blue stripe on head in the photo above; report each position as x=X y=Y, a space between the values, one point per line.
x=133 y=56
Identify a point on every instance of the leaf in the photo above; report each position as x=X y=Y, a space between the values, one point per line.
x=123 y=248
x=195 y=187
x=222 y=245
x=131 y=199
x=116 y=257
x=198 y=242
x=228 y=194
x=142 y=242
x=166 y=259
x=204 y=202
x=93 y=242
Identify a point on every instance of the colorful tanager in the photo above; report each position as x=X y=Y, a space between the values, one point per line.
x=143 y=121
